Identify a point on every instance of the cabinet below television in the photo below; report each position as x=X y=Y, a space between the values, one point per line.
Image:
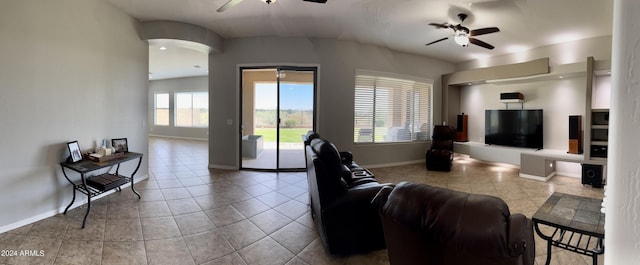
x=599 y=142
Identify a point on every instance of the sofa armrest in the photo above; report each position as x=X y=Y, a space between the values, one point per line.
x=346 y=157
x=519 y=237
x=381 y=197
x=353 y=201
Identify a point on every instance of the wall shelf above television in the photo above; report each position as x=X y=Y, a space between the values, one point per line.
x=511 y=101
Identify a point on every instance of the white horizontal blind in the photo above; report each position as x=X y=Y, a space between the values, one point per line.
x=191 y=109
x=391 y=108
x=161 y=114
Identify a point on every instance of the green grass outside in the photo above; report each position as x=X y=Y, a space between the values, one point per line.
x=287 y=135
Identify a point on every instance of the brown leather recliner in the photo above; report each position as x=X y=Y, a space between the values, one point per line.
x=342 y=211
x=440 y=154
x=430 y=225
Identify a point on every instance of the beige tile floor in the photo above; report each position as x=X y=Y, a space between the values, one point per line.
x=189 y=214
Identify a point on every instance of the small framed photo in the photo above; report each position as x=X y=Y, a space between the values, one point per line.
x=75 y=154
x=120 y=144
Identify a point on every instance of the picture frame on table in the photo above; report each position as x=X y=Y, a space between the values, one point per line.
x=75 y=154
x=120 y=144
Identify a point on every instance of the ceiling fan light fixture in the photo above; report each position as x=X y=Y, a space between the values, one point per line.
x=269 y=1
x=462 y=39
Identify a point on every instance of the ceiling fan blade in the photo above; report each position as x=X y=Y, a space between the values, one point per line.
x=481 y=43
x=436 y=41
x=483 y=31
x=316 y=1
x=440 y=26
x=228 y=5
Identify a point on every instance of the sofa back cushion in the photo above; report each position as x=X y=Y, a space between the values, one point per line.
x=309 y=136
x=328 y=170
x=443 y=132
x=466 y=223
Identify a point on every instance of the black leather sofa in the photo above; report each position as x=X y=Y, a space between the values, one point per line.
x=346 y=158
x=431 y=225
x=340 y=204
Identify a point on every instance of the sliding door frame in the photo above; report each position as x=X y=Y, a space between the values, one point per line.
x=278 y=67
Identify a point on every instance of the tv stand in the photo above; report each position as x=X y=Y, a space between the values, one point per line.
x=533 y=163
x=489 y=152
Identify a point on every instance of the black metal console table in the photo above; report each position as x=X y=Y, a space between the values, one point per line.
x=95 y=185
x=577 y=223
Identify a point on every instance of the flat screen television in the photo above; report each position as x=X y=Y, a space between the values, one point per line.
x=517 y=128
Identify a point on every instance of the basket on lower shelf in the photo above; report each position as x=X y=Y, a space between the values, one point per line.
x=106 y=181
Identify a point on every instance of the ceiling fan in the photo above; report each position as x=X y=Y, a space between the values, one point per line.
x=232 y=3
x=463 y=36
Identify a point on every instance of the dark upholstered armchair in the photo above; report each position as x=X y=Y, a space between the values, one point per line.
x=342 y=211
x=440 y=155
x=430 y=225
x=347 y=161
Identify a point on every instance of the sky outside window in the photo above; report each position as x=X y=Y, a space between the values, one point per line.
x=292 y=96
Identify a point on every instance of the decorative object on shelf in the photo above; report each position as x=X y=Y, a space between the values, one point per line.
x=102 y=149
x=120 y=144
x=75 y=154
x=103 y=158
x=512 y=96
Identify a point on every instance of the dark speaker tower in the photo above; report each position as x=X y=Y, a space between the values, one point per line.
x=575 y=134
x=592 y=175
x=462 y=134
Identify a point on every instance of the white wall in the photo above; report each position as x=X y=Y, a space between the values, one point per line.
x=558 y=99
x=70 y=70
x=337 y=62
x=622 y=232
x=601 y=98
x=187 y=84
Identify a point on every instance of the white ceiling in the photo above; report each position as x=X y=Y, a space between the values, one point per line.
x=400 y=25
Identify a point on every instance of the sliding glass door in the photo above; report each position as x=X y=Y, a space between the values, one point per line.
x=277 y=109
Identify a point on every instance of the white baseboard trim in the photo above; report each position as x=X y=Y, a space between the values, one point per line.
x=538 y=178
x=403 y=163
x=222 y=167
x=570 y=174
x=60 y=210
x=178 y=137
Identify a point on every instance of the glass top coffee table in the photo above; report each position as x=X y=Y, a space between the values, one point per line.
x=576 y=224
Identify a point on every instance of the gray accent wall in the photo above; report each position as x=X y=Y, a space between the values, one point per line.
x=70 y=70
x=337 y=61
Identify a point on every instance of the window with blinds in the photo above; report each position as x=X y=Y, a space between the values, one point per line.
x=391 y=108
x=191 y=109
x=161 y=114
